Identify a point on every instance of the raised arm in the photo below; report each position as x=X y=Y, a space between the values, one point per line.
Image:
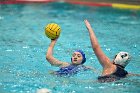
x=103 y=59
x=51 y=59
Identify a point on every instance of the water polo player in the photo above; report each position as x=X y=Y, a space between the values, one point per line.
x=77 y=60
x=112 y=71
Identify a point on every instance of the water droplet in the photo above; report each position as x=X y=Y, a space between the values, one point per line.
x=108 y=49
x=25 y=47
x=135 y=46
x=9 y=50
x=1 y=17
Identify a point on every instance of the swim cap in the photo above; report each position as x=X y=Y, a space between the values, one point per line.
x=122 y=58
x=44 y=90
x=83 y=55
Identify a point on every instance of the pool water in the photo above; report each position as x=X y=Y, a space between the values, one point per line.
x=23 y=45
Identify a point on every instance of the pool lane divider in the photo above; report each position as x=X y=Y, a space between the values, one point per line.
x=126 y=6
x=86 y=3
x=26 y=1
x=113 y=5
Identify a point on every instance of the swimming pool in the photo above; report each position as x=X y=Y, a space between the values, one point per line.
x=23 y=67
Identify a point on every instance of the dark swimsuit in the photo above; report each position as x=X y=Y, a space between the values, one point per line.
x=120 y=73
x=70 y=70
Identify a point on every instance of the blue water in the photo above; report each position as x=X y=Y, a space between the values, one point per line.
x=23 y=67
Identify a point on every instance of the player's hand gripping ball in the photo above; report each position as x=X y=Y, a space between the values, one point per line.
x=52 y=31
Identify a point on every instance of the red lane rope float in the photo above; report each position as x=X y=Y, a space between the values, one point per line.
x=26 y=1
x=90 y=3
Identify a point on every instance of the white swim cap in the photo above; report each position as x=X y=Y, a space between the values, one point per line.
x=122 y=58
x=44 y=90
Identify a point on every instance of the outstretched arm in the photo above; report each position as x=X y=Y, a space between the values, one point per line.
x=51 y=59
x=103 y=59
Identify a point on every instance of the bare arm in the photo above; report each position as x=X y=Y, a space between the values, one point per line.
x=51 y=59
x=103 y=59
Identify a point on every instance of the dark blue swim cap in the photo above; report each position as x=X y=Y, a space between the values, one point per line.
x=83 y=55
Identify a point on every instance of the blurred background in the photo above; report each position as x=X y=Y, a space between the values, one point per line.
x=136 y=2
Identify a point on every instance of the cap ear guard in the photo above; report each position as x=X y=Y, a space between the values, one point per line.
x=84 y=60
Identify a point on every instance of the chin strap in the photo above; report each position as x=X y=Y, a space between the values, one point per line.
x=119 y=65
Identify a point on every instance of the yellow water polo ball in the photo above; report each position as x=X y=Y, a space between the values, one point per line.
x=52 y=31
